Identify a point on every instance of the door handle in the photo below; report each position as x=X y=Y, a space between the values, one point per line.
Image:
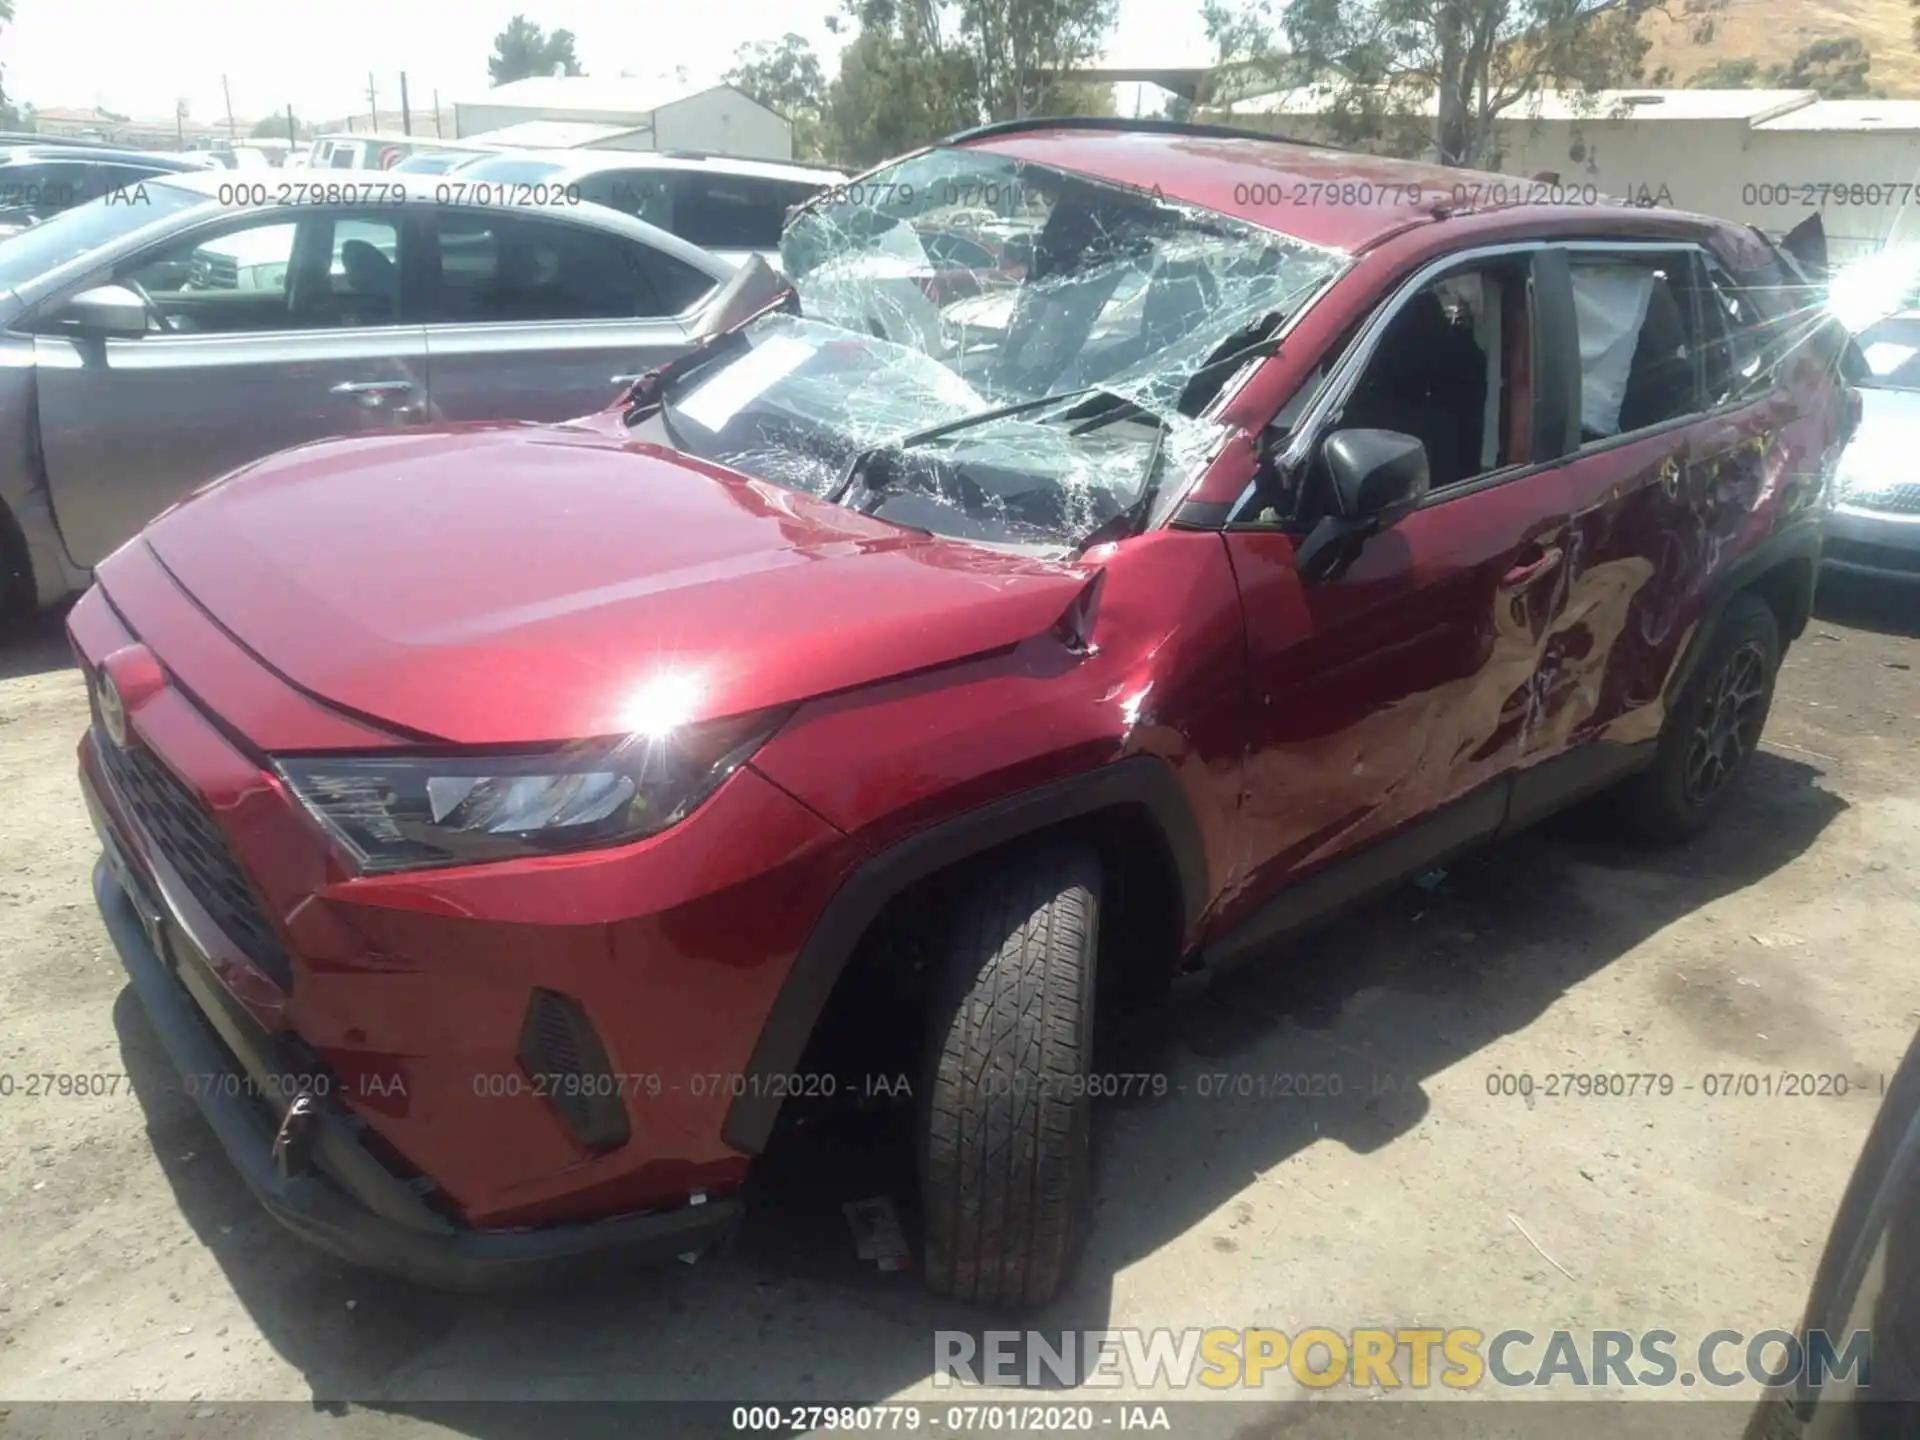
x=372 y=393
x=1526 y=574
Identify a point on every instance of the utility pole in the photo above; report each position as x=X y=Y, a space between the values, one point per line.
x=438 y=133
x=293 y=133
x=233 y=132
x=406 y=113
x=373 y=102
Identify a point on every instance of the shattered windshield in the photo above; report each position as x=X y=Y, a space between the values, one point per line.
x=957 y=284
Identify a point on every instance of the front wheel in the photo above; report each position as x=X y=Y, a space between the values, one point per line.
x=1713 y=729
x=1005 y=1117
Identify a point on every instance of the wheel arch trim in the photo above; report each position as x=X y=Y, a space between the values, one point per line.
x=1795 y=544
x=1142 y=781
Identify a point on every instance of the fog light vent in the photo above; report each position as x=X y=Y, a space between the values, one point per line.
x=562 y=1052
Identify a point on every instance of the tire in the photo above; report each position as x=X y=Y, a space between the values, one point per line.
x=1713 y=729
x=16 y=573
x=1005 y=1117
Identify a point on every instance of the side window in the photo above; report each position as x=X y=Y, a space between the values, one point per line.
x=320 y=273
x=121 y=177
x=675 y=287
x=1740 y=342
x=1452 y=369
x=343 y=157
x=736 y=212
x=46 y=187
x=644 y=194
x=1637 y=362
x=497 y=268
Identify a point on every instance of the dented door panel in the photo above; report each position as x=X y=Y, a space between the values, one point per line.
x=1409 y=682
x=1637 y=554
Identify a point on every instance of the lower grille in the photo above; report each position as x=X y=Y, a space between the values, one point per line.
x=1875 y=557
x=562 y=1052
x=1901 y=499
x=180 y=828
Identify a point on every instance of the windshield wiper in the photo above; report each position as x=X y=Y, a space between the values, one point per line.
x=857 y=467
x=649 y=392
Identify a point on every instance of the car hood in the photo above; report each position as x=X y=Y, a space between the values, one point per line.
x=516 y=583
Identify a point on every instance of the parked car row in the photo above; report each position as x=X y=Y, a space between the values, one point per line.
x=234 y=323
x=980 y=615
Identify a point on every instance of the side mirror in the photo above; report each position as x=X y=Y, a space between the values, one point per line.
x=755 y=286
x=1378 y=475
x=107 y=310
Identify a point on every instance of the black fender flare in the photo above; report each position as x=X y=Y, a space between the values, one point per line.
x=1799 y=540
x=1144 y=781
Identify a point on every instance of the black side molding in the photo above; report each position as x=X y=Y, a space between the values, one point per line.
x=1799 y=540
x=1345 y=882
x=1142 y=780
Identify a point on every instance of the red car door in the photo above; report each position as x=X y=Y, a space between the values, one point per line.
x=1635 y=544
x=1388 y=702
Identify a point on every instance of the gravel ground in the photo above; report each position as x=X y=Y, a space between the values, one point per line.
x=133 y=1265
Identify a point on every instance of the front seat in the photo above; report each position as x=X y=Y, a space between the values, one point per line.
x=1427 y=379
x=372 y=279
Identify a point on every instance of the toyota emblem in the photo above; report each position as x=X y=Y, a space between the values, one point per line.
x=113 y=712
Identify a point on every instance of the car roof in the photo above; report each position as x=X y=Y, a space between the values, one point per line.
x=1342 y=199
x=577 y=163
x=14 y=154
x=391 y=187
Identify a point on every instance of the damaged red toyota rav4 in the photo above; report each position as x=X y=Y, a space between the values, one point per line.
x=509 y=809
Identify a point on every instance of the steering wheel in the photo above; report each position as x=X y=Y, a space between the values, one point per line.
x=160 y=316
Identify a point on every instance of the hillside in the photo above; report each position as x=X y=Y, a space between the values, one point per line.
x=1771 y=31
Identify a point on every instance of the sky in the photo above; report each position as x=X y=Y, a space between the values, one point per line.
x=137 y=57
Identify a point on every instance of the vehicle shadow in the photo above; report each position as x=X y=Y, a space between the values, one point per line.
x=35 y=645
x=1402 y=991
x=1860 y=603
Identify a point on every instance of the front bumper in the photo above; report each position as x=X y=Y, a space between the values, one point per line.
x=338 y=1195
x=1882 y=544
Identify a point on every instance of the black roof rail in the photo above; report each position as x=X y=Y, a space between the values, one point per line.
x=34 y=137
x=747 y=159
x=1145 y=126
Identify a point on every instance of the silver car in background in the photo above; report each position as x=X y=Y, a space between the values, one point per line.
x=148 y=347
x=1875 y=527
x=732 y=207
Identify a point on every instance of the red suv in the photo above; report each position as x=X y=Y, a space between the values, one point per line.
x=496 y=818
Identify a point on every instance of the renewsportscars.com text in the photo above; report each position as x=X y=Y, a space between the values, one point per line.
x=1400 y=1358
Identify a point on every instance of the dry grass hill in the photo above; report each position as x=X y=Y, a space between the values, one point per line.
x=1772 y=31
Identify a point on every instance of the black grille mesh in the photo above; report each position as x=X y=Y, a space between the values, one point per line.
x=184 y=832
x=562 y=1052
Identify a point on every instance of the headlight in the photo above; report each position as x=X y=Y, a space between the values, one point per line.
x=405 y=812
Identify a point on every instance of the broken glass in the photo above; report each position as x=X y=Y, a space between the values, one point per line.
x=955 y=283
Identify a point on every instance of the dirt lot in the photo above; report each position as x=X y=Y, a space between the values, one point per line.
x=134 y=1265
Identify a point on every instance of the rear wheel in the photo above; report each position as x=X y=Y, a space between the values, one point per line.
x=1713 y=728
x=16 y=572
x=1005 y=1116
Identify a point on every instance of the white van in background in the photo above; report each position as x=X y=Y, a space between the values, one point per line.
x=344 y=150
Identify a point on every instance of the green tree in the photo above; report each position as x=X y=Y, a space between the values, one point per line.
x=920 y=69
x=1020 y=47
x=1728 y=73
x=274 y=127
x=785 y=76
x=1436 y=74
x=523 y=49
x=894 y=94
x=10 y=115
x=1836 y=67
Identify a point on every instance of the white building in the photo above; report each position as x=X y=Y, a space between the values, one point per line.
x=1762 y=157
x=629 y=115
